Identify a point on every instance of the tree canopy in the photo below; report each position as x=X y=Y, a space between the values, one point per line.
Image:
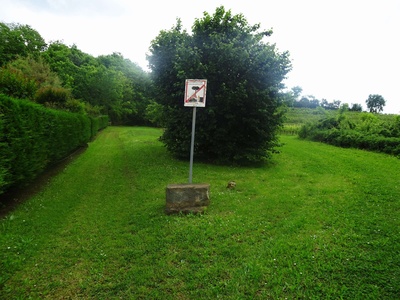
x=19 y=40
x=64 y=77
x=375 y=103
x=244 y=76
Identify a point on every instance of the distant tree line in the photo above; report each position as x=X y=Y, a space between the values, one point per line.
x=63 y=77
x=293 y=98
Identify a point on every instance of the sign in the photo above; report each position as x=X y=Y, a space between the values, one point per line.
x=195 y=92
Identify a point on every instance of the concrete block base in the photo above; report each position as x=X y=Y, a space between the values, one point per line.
x=187 y=198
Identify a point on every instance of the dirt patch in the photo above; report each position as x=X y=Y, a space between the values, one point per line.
x=17 y=195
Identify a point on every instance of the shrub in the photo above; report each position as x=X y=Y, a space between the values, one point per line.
x=240 y=123
x=14 y=84
x=154 y=113
x=53 y=96
x=351 y=138
x=32 y=137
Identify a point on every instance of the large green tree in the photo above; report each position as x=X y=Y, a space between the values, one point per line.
x=244 y=73
x=375 y=103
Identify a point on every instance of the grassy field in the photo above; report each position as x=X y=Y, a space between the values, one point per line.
x=317 y=222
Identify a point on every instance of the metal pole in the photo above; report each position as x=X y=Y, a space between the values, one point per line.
x=192 y=145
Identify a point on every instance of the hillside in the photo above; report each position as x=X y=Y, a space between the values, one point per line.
x=317 y=222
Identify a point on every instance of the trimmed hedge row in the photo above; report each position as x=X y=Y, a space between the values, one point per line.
x=32 y=137
x=353 y=139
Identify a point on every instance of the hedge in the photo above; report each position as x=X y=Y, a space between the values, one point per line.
x=353 y=139
x=32 y=137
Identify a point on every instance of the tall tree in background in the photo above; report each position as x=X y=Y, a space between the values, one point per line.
x=375 y=103
x=137 y=88
x=244 y=77
x=290 y=97
x=355 y=107
x=19 y=40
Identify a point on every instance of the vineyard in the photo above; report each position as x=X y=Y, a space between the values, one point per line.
x=368 y=131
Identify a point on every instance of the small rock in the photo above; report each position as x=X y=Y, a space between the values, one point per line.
x=231 y=185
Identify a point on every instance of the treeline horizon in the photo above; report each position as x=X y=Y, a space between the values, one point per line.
x=64 y=77
x=294 y=98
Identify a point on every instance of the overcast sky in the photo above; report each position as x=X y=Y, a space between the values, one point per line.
x=340 y=49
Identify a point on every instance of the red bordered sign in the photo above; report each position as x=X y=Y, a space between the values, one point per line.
x=195 y=92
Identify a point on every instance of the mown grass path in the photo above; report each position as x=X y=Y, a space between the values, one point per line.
x=316 y=222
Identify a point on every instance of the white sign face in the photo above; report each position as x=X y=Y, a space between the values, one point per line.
x=195 y=92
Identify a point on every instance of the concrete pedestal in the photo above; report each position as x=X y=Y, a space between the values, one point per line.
x=187 y=198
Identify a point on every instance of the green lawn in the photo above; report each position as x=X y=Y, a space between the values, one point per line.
x=317 y=222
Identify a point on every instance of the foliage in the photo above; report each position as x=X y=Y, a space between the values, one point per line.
x=375 y=103
x=366 y=132
x=15 y=84
x=32 y=137
x=307 y=101
x=82 y=73
x=65 y=61
x=304 y=115
x=295 y=118
x=98 y=123
x=108 y=84
x=370 y=123
x=31 y=78
x=293 y=98
x=36 y=69
x=19 y=40
x=154 y=113
x=56 y=97
x=75 y=106
x=137 y=88
x=112 y=83
x=244 y=77
x=320 y=222
x=356 y=107
x=334 y=105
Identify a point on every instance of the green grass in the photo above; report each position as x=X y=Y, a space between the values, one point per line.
x=317 y=222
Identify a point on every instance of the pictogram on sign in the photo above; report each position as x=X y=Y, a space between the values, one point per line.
x=195 y=92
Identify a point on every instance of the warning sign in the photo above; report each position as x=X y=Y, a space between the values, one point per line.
x=195 y=92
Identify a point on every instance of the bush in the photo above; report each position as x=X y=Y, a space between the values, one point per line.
x=240 y=122
x=154 y=113
x=330 y=132
x=53 y=96
x=32 y=137
x=14 y=84
x=98 y=123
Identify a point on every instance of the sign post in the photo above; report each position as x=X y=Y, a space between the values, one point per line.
x=195 y=96
x=192 y=145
